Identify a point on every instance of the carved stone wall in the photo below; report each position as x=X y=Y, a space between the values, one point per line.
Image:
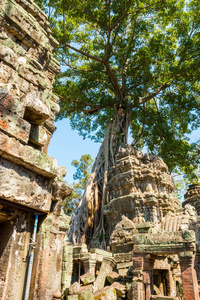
x=153 y=243
x=30 y=181
x=140 y=188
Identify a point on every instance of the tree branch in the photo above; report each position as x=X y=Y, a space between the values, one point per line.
x=122 y=17
x=147 y=6
x=85 y=54
x=92 y=109
x=95 y=20
x=113 y=80
x=147 y=98
x=64 y=63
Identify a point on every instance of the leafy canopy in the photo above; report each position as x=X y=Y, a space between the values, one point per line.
x=140 y=56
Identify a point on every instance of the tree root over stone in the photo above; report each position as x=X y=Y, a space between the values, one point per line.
x=88 y=224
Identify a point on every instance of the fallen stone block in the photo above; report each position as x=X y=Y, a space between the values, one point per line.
x=112 y=277
x=107 y=293
x=74 y=288
x=120 y=289
x=87 y=278
x=86 y=288
x=85 y=293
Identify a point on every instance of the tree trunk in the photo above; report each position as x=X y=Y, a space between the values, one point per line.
x=88 y=223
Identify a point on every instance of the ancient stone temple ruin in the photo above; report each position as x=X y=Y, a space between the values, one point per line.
x=30 y=181
x=152 y=243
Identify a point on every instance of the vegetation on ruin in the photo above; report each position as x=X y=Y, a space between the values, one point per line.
x=138 y=56
x=129 y=67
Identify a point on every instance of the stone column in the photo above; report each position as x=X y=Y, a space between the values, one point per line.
x=188 y=275
x=92 y=266
x=86 y=265
x=89 y=266
x=171 y=284
x=137 y=288
x=67 y=265
x=106 y=268
x=148 y=276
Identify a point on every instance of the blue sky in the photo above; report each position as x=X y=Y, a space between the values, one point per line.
x=67 y=145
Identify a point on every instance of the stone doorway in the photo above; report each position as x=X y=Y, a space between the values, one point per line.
x=161 y=283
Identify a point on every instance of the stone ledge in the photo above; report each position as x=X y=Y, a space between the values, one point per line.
x=27 y=156
x=22 y=186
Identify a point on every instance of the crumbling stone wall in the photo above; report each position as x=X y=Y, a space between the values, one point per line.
x=30 y=181
x=140 y=187
x=153 y=250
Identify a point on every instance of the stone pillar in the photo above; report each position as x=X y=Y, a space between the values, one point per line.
x=188 y=275
x=86 y=265
x=89 y=266
x=67 y=266
x=92 y=266
x=137 y=288
x=106 y=268
x=172 y=284
x=148 y=276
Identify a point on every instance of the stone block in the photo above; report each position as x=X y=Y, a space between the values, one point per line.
x=64 y=223
x=85 y=293
x=23 y=85
x=29 y=29
x=10 y=105
x=124 y=265
x=67 y=251
x=107 y=293
x=27 y=156
x=120 y=289
x=74 y=288
x=32 y=75
x=87 y=278
x=36 y=111
x=66 y=276
x=22 y=186
x=123 y=272
x=112 y=277
x=7 y=74
x=34 y=10
x=16 y=127
x=54 y=66
x=17 y=49
x=8 y=56
x=38 y=135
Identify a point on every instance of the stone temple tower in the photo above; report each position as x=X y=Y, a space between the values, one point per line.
x=140 y=188
x=153 y=250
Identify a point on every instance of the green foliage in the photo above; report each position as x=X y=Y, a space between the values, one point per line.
x=140 y=56
x=72 y=202
x=182 y=181
x=83 y=169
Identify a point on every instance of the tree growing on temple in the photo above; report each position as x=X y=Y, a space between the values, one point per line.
x=128 y=66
